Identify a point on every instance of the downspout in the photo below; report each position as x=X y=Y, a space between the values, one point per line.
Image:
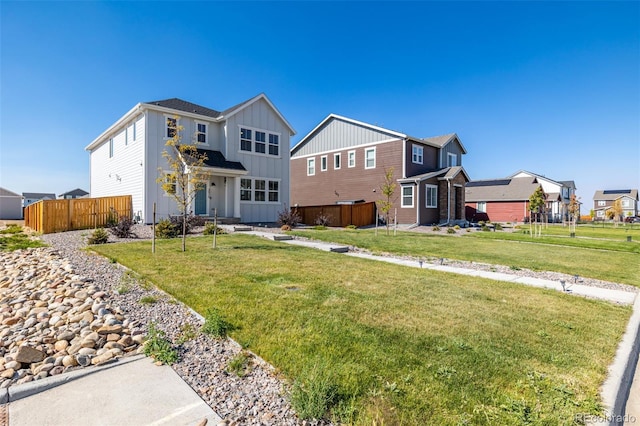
x=417 y=203
x=448 y=201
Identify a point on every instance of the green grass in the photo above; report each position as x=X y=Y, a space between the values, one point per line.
x=604 y=260
x=12 y=238
x=403 y=346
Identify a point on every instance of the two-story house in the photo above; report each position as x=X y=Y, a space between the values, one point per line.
x=603 y=200
x=344 y=160
x=29 y=198
x=247 y=166
x=73 y=194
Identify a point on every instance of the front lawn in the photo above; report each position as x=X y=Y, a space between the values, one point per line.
x=398 y=345
x=598 y=259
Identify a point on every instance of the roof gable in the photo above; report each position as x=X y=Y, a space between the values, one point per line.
x=39 y=195
x=517 y=189
x=6 y=193
x=180 y=105
x=614 y=194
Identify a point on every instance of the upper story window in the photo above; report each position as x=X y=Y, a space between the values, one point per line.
x=126 y=136
x=201 y=133
x=351 y=158
x=261 y=145
x=110 y=147
x=370 y=158
x=407 y=196
x=417 y=154
x=245 y=139
x=274 y=144
x=336 y=161
x=482 y=206
x=171 y=127
x=134 y=131
x=601 y=203
x=431 y=199
x=452 y=160
x=311 y=166
x=323 y=163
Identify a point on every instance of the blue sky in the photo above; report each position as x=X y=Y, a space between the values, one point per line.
x=548 y=87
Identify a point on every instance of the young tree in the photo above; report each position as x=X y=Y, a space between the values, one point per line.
x=388 y=189
x=184 y=177
x=574 y=212
x=616 y=211
x=536 y=208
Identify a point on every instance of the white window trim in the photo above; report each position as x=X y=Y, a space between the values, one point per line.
x=413 y=159
x=426 y=196
x=481 y=206
x=601 y=203
x=166 y=125
x=134 y=132
x=250 y=190
x=111 y=148
x=266 y=142
x=455 y=157
x=402 y=196
x=206 y=133
x=374 y=158
x=324 y=163
x=337 y=157
x=309 y=161
x=166 y=175
x=266 y=191
x=349 y=165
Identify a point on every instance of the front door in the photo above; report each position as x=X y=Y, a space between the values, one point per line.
x=200 y=207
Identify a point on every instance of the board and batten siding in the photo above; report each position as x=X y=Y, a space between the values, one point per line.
x=450 y=148
x=260 y=116
x=338 y=134
x=122 y=173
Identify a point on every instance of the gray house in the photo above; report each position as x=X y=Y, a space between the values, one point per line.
x=74 y=193
x=34 y=197
x=10 y=204
x=247 y=168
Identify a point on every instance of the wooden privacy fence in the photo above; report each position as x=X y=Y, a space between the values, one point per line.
x=49 y=216
x=360 y=214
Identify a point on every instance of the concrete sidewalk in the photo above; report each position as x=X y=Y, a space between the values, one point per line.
x=131 y=391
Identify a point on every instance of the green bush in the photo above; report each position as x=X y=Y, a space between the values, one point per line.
x=148 y=300
x=319 y=227
x=451 y=231
x=159 y=347
x=485 y=228
x=457 y=227
x=210 y=227
x=351 y=227
x=436 y=228
x=167 y=229
x=12 y=229
x=215 y=325
x=313 y=393
x=99 y=236
x=497 y=227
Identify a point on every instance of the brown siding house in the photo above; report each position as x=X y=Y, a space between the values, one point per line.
x=343 y=160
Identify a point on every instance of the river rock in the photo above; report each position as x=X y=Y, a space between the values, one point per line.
x=28 y=355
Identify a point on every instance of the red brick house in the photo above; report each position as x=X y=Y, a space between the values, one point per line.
x=343 y=160
x=501 y=200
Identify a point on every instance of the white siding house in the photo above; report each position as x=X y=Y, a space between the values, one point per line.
x=247 y=158
x=558 y=194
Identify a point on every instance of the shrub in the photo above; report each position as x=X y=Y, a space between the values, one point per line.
x=122 y=229
x=289 y=217
x=351 y=227
x=187 y=332
x=497 y=227
x=148 y=300
x=210 y=227
x=285 y=228
x=319 y=227
x=457 y=227
x=214 y=324
x=313 y=394
x=481 y=223
x=159 y=347
x=112 y=218
x=166 y=229
x=192 y=222
x=323 y=220
x=99 y=236
x=485 y=228
x=436 y=228
x=12 y=229
x=451 y=231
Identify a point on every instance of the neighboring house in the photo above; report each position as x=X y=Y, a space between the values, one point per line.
x=501 y=200
x=603 y=200
x=246 y=145
x=506 y=199
x=343 y=160
x=33 y=197
x=75 y=193
x=10 y=204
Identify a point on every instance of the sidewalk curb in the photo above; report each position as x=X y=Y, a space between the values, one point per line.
x=616 y=388
x=16 y=392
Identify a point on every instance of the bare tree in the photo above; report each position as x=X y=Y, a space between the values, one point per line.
x=184 y=177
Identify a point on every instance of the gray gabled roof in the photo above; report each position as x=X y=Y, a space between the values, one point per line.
x=39 y=196
x=217 y=160
x=180 y=105
x=6 y=193
x=442 y=174
x=75 y=193
x=518 y=189
x=614 y=194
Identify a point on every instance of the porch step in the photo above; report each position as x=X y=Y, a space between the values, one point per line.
x=242 y=228
x=343 y=249
x=279 y=237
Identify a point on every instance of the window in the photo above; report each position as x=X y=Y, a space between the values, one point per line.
x=626 y=202
x=481 y=207
x=351 y=158
x=601 y=203
x=201 y=133
x=110 y=147
x=323 y=163
x=170 y=184
x=311 y=166
x=600 y=213
x=273 y=191
x=245 y=139
x=370 y=158
x=417 y=153
x=134 y=131
x=407 y=196
x=431 y=200
x=261 y=142
x=260 y=191
x=172 y=127
x=336 y=161
x=245 y=189
x=126 y=136
x=273 y=144
x=452 y=160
